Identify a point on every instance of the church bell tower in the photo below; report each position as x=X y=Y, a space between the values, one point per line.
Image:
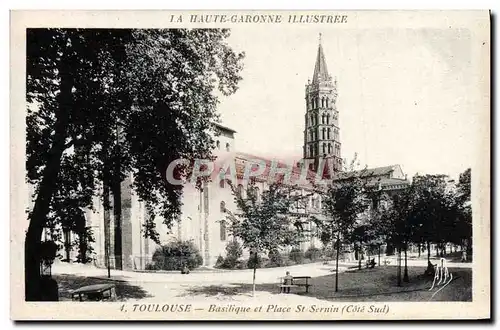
x=321 y=133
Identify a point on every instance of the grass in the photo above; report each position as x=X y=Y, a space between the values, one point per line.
x=378 y=284
x=124 y=291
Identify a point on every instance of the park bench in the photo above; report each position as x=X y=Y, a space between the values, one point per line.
x=95 y=292
x=297 y=281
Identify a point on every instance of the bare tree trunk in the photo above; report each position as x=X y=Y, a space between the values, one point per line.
x=254 y=272
x=405 y=277
x=419 y=249
x=38 y=216
x=379 y=255
x=82 y=240
x=107 y=232
x=399 y=265
x=337 y=266
x=67 y=243
x=117 y=202
x=117 y=212
x=428 y=252
x=359 y=257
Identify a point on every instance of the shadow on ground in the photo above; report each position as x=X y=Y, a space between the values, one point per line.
x=450 y=257
x=124 y=291
x=379 y=284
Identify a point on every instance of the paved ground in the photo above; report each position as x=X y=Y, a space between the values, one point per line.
x=235 y=286
x=265 y=275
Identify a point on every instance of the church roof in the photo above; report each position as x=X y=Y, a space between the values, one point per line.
x=377 y=176
x=296 y=172
x=320 y=69
x=224 y=128
x=368 y=172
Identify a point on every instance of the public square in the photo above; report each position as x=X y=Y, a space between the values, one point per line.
x=377 y=284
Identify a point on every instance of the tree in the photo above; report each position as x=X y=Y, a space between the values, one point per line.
x=359 y=236
x=379 y=225
x=463 y=226
x=404 y=221
x=176 y=255
x=393 y=222
x=343 y=203
x=429 y=209
x=263 y=225
x=110 y=102
x=234 y=251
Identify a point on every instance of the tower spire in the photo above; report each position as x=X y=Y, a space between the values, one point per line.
x=320 y=69
x=321 y=133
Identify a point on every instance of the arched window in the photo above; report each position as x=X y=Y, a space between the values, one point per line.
x=336 y=134
x=327 y=102
x=223 y=230
x=323 y=135
x=328 y=133
x=311 y=151
x=227 y=147
x=324 y=147
x=323 y=119
x=329 y=148
x=222 y=183
x=322 y=102
x=217 y=144
x=328 y=119
x=222 y=207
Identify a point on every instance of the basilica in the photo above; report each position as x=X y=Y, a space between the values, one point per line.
x=203 y=211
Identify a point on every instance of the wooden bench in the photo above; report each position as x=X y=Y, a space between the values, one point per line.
x=95 y=292
x=296 y=282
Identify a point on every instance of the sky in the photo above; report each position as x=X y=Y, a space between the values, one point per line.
x=406 y=96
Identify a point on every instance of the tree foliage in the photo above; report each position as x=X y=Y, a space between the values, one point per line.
x=344 y=202
x=262 y=223
x=106 y=103
x=176 y=255
x=433 y=209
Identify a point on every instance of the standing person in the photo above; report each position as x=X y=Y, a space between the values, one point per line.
x=288 y=280
x=464 y=255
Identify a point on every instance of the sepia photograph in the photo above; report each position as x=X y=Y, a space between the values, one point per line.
x=250 y=165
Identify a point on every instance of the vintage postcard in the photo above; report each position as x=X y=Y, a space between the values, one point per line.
x=250 y=165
